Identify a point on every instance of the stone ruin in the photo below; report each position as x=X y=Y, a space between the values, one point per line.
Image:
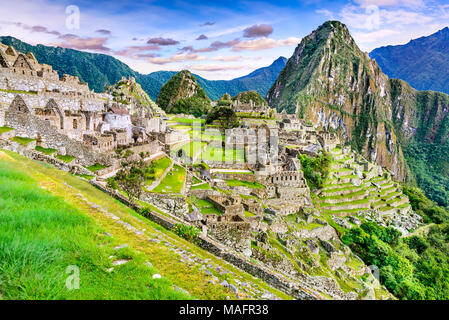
x=62 y=113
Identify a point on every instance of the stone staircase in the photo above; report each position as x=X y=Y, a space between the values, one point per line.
x=356 y=186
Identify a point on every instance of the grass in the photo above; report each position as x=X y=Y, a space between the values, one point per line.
x=223 y=155
x=355 y=202
x=42 y=236
x=22 y=140
x=47 y=151
x=173 y=181
x=96 y=167
x=65 y=158
x=159 y=167
x=5 y=129
x=238 y=183
x=205 y=206
x=18 y=91
x=166 y=262
x=190 y=149
x=203 y=186
x=85 y=176
x=187 y=121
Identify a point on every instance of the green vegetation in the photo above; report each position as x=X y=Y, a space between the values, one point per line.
x=412 y=267
x=223 y=155
x=238 y=183
x=173 y=181
x=19 y=91
x=96 y=167
x=65 y=158
x=190 y=233
x=175 y=97
x=225 y=116
x=247 y=96
x=131 y=178
x=42 y=236
x=5 y=129
x=113 y=285
x=205 y=206
x=203 y=186
x=316 y=170
x=426 y=208
x=22 y=140
x=429 y=162
x=47 y=151
x=189 y=149
x=156 y=169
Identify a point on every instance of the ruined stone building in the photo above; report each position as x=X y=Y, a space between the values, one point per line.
x=60 y=113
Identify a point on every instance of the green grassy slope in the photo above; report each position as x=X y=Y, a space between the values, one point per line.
x=52 y=219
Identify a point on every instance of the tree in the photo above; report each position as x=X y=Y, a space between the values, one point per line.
x=131 y=178
x=225 y=116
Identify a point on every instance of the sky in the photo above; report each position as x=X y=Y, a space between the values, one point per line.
x=215 y=39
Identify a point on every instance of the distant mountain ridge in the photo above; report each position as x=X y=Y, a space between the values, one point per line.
x=423 y=62
x=100 y=71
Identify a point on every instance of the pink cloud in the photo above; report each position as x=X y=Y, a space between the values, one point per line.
x=257 y=31
x=265 y=43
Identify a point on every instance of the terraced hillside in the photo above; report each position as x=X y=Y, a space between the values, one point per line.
x=361 y=189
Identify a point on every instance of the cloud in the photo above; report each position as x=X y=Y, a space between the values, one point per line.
x=103 y=32
x=214 y=46
x=177 y=58
x=265 y=43
x=202 y=37
x=135 y=51
x=214 y=67
x=233 y=58
x=368 y=37
x=36 y=28
x=327 y=13
x=257 y=31
x=391 y=3
x=228 y=58
x=72 y=41
x=207 y=24
x=163 y=41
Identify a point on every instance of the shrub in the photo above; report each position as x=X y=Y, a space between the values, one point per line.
x=190 y=233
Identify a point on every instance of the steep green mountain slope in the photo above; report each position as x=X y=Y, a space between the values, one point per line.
x=183 y=94
x=332 y=83
x=100 y=71
x=422 y=124
x=424 y=62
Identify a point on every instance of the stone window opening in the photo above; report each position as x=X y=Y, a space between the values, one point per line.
x=75 y=124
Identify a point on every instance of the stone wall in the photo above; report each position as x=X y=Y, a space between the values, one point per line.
x=36 y=155
x=235 y=176
x=271 y=278
x=174 y=205
x=27 y=125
